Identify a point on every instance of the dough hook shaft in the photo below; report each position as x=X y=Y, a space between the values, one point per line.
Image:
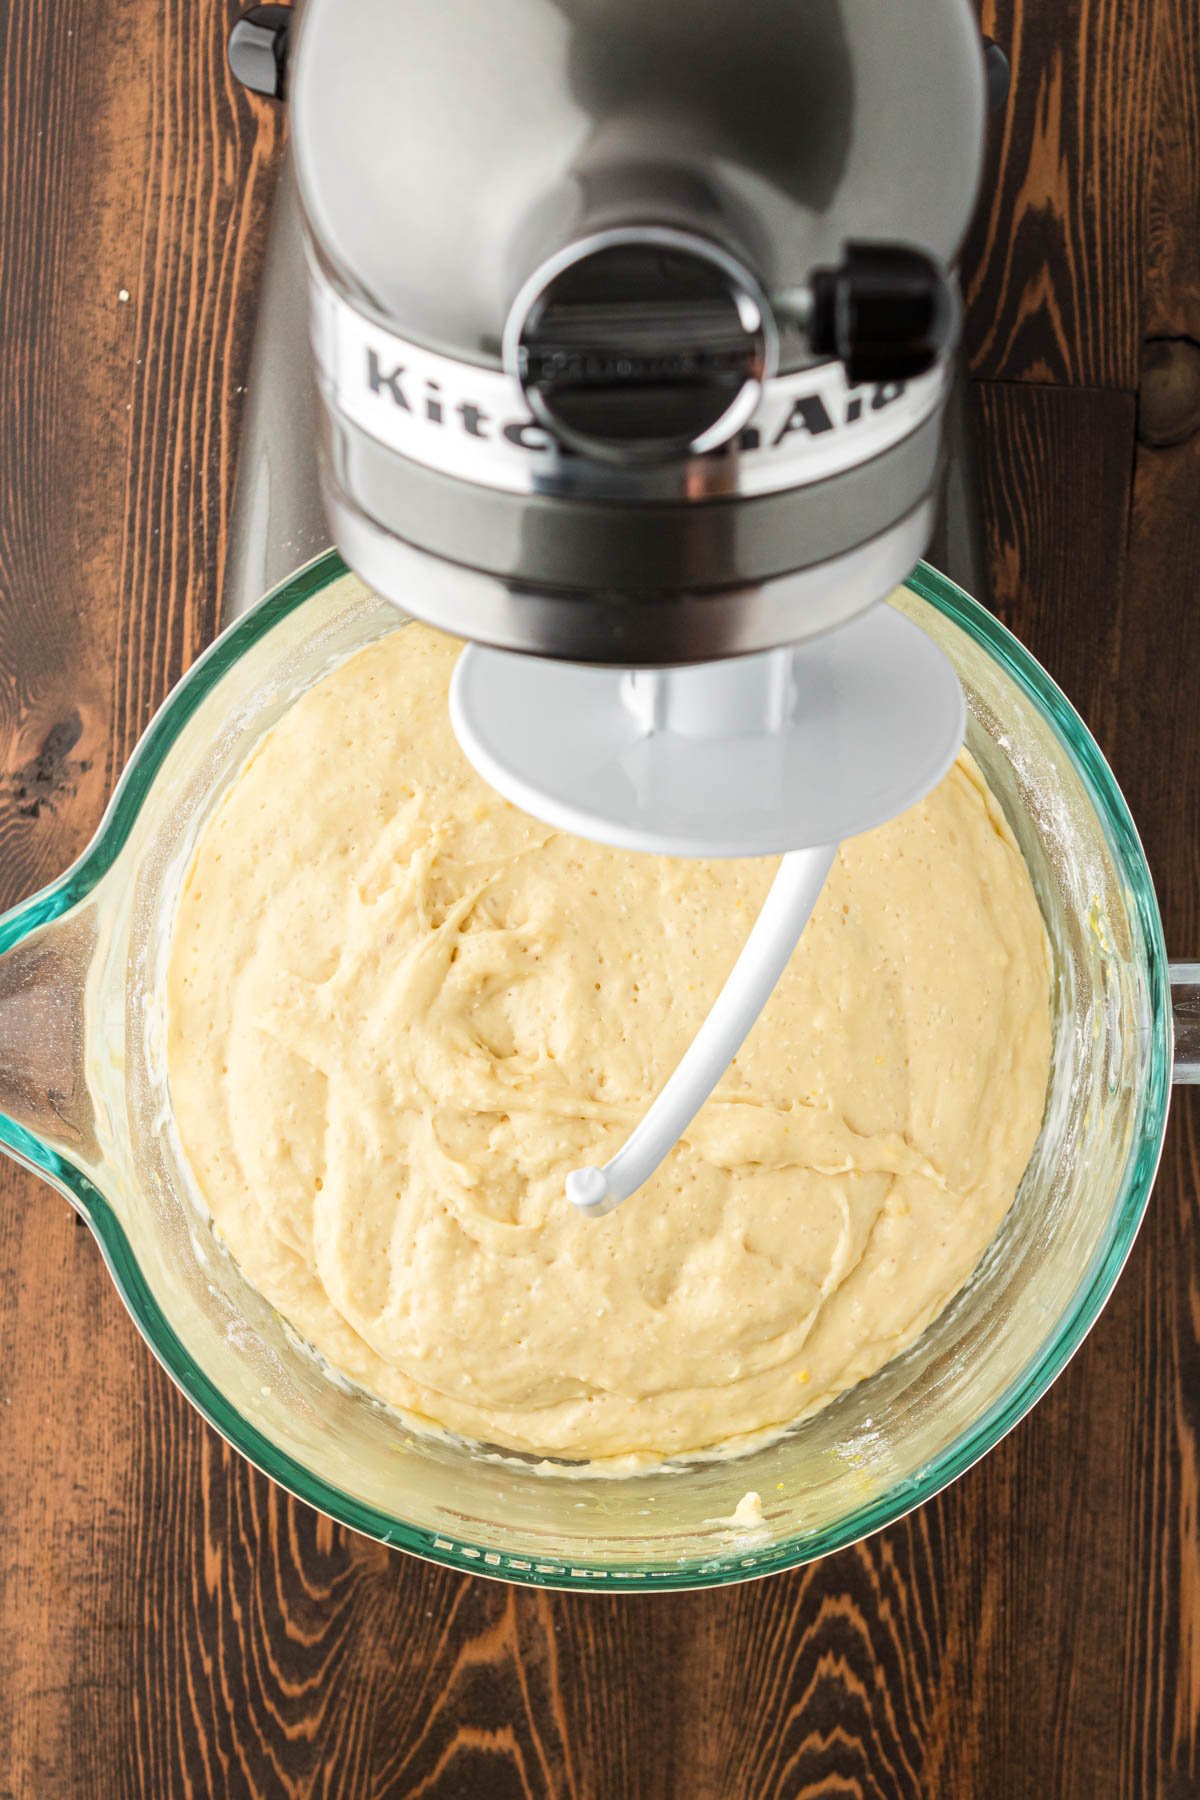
x=766 y=953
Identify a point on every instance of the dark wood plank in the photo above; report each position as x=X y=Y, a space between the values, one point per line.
x=1159 y=734
x=1053 y=265
x=1171 y=272
x=1158 y=745
x=132 y=203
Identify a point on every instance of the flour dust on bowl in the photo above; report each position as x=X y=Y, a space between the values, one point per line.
x=83 y=1100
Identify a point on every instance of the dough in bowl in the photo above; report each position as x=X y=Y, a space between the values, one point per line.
x=400 y=1011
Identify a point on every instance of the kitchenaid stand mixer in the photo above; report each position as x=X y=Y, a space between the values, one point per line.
x=633 y=332
x=85 y=1099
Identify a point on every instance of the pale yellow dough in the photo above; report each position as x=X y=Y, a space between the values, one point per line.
x=400 y=1012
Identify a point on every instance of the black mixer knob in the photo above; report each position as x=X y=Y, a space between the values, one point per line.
x=258 y=50
x=888 y=312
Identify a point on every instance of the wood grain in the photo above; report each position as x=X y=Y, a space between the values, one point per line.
x=174 y=1625
x=1161 y=668
x=1171 y=271
x=1054 y=272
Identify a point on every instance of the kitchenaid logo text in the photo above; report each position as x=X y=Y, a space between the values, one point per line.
x=523 y=433
x=806 y=413
x=473 y=422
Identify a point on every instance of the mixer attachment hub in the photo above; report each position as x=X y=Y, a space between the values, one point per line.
x=753 y=756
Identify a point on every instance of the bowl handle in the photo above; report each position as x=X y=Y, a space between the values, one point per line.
x=1185 y=1004
x=43 y=1070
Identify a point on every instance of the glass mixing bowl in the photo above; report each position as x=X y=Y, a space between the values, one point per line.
x=84 y=1100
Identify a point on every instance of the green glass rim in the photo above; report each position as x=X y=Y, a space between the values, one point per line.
x=537 y=1571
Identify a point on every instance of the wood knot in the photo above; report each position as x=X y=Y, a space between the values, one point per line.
x=50 y=774
x=1169 y=391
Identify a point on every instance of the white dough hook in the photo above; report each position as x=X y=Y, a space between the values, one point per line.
x=765 y=955
x=785 y=752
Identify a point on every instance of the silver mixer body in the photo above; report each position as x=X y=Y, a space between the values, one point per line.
x=581 y=280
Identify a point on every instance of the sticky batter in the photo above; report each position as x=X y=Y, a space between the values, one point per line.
x=400 y=1011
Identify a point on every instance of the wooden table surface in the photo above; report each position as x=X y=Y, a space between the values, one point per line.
x=172 y=1624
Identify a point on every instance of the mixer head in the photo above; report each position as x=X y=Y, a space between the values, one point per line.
x=633 y=329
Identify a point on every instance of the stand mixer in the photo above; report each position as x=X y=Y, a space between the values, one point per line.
x=85 y=1089
x=633 y=331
